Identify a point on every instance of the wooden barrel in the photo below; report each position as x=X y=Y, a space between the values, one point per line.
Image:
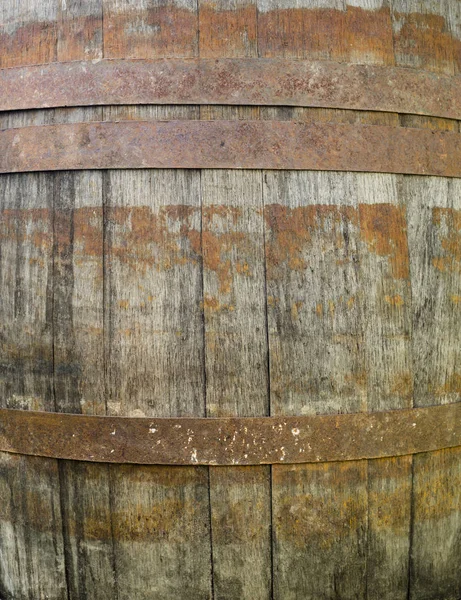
x=256 y=225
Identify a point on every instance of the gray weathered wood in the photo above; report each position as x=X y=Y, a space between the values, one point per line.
x=155 y=366
x=317 y=366
x=431 y=41
x=236 y=352
x=385 y=288
x=434 y=209
x=31 y=543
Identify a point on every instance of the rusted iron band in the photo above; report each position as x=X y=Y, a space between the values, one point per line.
x=231 y=441
x=230 y=145
x=231 y=81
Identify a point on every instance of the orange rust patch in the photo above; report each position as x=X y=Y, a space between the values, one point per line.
x=437 y=484
x=32 y=226
x=396 y=300
x=293 y=230
x=217 y=213
x=402 y=385
x=448 y=223
x=383 y=227
x=227 y=33
x=351 y=302
x=425 y=41
x=80 y=38
x=451 y=386
x=143 y=239
x=88 y=231
x=295 y=307
x=34 y=43
x=215 y=248
x=318 y=501
x=242 y=268
x=221 y=240
x=161 y=31
x=456 y=299
x=355 y=34
x=212 y=304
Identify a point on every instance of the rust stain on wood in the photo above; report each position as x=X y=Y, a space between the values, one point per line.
x=163 y=30
x=383 y=227
x=426 y=41
x=447 y=222
x=227 y=32
x=327 y=33
x=295 y=229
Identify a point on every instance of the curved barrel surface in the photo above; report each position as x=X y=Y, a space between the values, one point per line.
x=230 y=251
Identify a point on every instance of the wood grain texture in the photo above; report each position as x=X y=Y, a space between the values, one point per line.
x=78 y=351
x=155 y=362
x=154 y=342
x=80 y=30
x=31 y=542
x=363 y=296
x=316 y=362
x=78 y=328
x=433 y=208
x=154 y=332
x=434 y=245
x=317 y=366
x=228 y=28
x=380 y=334
x=235 y=331
x=236 y=374
x=161 y=532
x=385 y=286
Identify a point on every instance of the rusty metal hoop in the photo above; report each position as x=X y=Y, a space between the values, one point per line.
x=230 y=145
x=231 y=441
x=282 y=82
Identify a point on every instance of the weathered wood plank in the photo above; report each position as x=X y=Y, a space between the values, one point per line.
x=314 y=334
x=79 y=375
x=241 y=534
x=317 y=365
x=31 y=543
x=434 y=209
x=236 y=374
x=436 y=539
x=154 y=342
x=386 y=560
x=78 y=340
x=385 y=282
x=235 y=330
x=154 y=348
x=153 y=326
x=426 y=35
